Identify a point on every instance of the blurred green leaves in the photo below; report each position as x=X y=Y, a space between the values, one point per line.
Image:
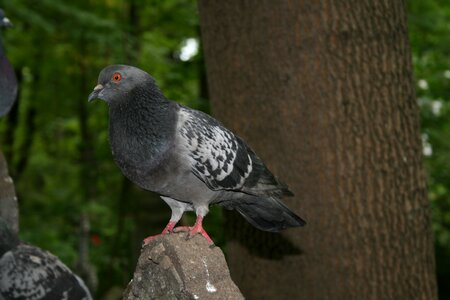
x=429 y=24
x=57 y=144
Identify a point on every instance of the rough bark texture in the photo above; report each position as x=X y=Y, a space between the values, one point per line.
x=9 y=210
x=172 y=268
x=323 y=92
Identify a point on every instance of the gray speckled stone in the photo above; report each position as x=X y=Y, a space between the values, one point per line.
x=9 y=210
x=171 y=267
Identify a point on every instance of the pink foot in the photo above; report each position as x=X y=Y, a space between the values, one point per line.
x=168 y=229
x=181 y=228
x=197 y=228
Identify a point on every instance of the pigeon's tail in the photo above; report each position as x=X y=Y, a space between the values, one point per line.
x=268 y=214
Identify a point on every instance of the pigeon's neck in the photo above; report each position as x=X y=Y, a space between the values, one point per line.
x=142 y=129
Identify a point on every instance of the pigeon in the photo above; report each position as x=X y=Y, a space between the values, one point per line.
x=186 y=156
x=28 y=272
x=8 y=81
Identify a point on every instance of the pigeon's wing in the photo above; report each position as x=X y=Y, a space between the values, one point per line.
x=216 y=156
x=8 y=84
x=221 y=159
x=28 y=272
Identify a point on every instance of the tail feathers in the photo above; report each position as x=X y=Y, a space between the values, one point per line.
x=268 y=214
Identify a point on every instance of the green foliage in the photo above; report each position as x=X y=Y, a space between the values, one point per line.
x=57 y=144
x=429 y=23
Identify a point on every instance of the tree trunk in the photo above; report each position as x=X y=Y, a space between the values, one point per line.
x=323 y=92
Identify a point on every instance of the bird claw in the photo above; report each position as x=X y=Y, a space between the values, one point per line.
x=181 y=229
x=187 y=229
x=153 y=237
x=148 y=239
x=192 y=231
x=199 y=230
x=167 y=230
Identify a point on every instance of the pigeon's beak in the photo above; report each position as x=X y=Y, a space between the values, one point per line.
x=6 y=22
x=95 y=93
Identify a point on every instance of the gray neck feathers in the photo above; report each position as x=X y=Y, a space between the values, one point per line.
x=142 y=127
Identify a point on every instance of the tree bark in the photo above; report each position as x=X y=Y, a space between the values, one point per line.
x=323 y=92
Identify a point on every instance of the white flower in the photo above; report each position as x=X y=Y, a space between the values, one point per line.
x=189 y=49
x=423 y=84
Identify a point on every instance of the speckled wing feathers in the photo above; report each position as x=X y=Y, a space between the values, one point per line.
x=217 y=157
x=30 y=273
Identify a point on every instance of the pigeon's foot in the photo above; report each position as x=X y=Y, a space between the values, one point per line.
x=182 y=229
x=197 y=228
x=168 y=229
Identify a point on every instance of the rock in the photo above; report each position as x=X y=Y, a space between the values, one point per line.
x=171 y=267
x=9 y=210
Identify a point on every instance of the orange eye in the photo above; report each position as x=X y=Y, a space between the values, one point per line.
x=116 y=77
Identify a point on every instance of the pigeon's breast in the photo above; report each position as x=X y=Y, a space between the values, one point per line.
x=145 y=164
x=138 y=153
x=168 y=175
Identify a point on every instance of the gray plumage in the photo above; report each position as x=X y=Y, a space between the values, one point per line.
x=188 y=157
x=30 y=273
x=8 y=81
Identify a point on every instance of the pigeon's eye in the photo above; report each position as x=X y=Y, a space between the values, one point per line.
x=116 y=77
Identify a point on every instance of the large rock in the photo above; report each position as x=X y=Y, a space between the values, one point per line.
x=9 y=210
x=171 y=267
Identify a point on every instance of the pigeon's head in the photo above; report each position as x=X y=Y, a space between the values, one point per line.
x=117 y=83
x=4 y=21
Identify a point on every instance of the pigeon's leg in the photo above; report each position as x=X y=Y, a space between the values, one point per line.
x=178 y=209
x=198 y=226
x=182 y=229
x=168 y=229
